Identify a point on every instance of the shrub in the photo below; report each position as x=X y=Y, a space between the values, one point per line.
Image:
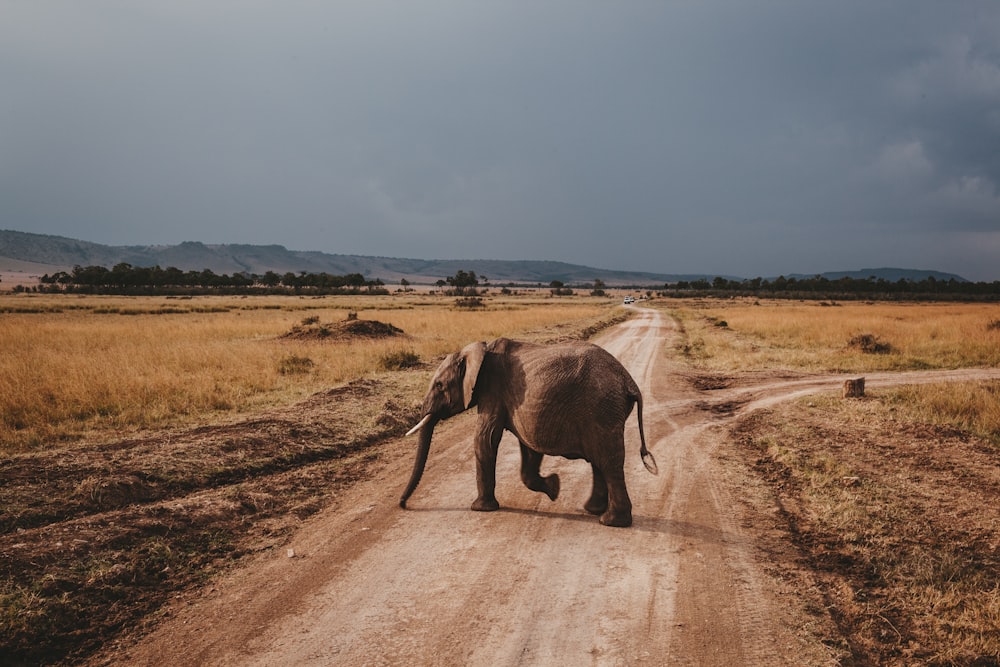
x=470 y=302
x=294 y=365
x=869 y=344
x=399 y=360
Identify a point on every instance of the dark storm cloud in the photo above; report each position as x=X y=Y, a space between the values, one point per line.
x=747 y=138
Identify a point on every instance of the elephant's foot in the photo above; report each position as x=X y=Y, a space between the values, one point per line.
x=485 y=505
x=548 y=485
x=551 y=486
x=597 y=505
x=617 y=519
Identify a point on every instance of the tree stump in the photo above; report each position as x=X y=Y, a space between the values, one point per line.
x=854 y=388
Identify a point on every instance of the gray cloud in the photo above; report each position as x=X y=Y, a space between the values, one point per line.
x=748 y=138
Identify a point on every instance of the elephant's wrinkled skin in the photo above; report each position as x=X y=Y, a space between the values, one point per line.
x=569 y=399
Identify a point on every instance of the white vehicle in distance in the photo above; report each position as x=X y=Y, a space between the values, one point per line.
x=628 y=300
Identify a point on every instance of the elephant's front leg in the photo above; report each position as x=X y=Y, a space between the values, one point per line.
x=487 y=444
x=531 y=463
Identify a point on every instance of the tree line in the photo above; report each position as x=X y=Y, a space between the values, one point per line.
x=819 y=286
x=124 y=278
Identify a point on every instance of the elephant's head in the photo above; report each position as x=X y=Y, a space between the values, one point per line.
x=450 y=393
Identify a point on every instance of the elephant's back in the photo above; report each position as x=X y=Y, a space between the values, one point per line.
x=573 y=389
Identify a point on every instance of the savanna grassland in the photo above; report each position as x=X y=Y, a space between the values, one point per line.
x=849 y=337
x=890 y=500
x=146 y=444
x=86 y=366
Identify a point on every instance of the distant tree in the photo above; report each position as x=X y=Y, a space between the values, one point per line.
x=463 y=283
x=558 y=288
x=463 y=279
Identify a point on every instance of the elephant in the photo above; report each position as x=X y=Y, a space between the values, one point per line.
x=564 y=399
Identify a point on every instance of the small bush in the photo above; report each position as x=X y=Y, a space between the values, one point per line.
x=470 y=302
x=295 y=365
x=399 y=360
x=869 y=344
x=994 y=325
x=463 y=291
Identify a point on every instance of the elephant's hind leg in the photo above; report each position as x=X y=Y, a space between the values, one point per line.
x=531 y=463
x=610 y=497
x=598 y=502
x=619 y=511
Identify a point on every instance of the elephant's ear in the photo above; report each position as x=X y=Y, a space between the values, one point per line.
x=473 y=353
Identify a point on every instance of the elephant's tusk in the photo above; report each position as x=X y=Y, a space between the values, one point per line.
x=419 y=425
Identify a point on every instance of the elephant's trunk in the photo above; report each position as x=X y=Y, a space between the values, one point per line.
x=426 y=428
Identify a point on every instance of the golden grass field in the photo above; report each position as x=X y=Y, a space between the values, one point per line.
x=905 y=557
x=815 y=336
x=74 y=365
x=79 y=365
x=751 y=335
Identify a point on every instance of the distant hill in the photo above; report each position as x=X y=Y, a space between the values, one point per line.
x=62 y=253
x=49 y=254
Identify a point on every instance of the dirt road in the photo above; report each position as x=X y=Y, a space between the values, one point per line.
x=539 y=582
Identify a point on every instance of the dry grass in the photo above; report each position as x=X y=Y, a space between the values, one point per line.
x=884 y=497
x=896 y=518
x=103 y=366
x=810 y=336
x=973 y=407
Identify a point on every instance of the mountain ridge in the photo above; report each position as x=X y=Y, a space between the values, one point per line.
x=63 y=253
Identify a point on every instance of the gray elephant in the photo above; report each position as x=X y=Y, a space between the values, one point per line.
x=568 y=399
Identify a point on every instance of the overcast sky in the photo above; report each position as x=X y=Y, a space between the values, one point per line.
x=745 y=137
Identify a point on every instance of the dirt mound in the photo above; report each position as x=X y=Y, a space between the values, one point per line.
x=312 y=329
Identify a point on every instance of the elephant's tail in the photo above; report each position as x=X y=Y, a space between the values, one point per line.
x=647 y=457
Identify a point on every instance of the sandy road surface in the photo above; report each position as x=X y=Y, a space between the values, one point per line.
x=537 y=583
